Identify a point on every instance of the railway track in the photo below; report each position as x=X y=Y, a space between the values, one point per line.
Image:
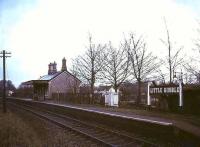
x=100 y=135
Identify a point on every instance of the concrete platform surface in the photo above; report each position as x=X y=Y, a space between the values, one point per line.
x=188 y=123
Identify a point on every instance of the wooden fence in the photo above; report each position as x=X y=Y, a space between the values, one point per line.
x=78 y=98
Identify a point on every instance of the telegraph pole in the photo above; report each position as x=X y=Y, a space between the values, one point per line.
x=4 y=56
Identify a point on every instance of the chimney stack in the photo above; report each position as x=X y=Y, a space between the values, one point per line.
x=64 y=67
x=52 y=68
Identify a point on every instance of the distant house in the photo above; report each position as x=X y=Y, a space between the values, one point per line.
x=54 y=82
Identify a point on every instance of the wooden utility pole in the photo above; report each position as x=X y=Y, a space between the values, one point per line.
x=4 y=56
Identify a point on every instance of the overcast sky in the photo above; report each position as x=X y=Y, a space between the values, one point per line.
x=41 y=31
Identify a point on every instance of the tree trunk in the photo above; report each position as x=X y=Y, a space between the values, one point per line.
x=170 y=72
x=115 y=87
x=91 y=93
x=139 y=92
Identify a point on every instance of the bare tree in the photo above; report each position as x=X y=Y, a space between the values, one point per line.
x=75 y=83
x=161 y=76
x=193 y=69
x=89 y=64
x=143 y=63
x=116 y=68
x=172 y=60
x=197 y=41
x=192 y=66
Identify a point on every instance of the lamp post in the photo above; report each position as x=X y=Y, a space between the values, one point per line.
x=180 y=81
x=180 y=77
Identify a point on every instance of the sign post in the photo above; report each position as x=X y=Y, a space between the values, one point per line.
x=180 y=94
x=148 y=95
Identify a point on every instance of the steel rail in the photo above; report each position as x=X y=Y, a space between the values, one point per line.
x=83 y=128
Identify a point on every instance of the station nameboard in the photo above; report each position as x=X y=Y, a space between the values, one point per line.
x=163 y=90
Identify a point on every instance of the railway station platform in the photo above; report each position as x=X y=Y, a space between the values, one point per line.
x=187 y=123
x=152 y=122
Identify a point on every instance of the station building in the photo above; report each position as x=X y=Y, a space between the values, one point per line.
x=54 y=82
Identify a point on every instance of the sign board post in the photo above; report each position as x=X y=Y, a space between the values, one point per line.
x=180 y=94
x=148 y=95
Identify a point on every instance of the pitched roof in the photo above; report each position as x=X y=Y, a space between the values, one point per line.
x=52 y=76
x=49 y=77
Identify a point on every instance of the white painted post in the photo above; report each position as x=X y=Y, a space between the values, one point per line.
x=180 y=94
x=106 y=99
x=148 y=95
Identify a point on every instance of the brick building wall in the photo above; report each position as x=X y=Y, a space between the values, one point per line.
x=63 y=83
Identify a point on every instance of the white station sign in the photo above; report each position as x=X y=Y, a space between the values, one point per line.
x=160 y=90
x=168 y=89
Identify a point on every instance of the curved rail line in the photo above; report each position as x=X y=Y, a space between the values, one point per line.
x=98 y=134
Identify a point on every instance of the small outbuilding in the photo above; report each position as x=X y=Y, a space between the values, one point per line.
x=111 y=98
